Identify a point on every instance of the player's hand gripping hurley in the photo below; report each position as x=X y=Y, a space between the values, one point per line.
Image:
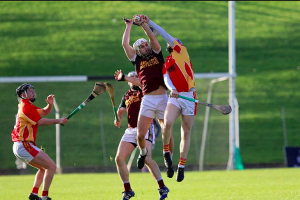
x=224 y=109
x=99 y=88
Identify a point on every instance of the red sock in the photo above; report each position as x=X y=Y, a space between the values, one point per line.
x=166 y=148
x=182 y=162
x=35 y=190
x=127 y=187
x=161 y=183
x=44 y=193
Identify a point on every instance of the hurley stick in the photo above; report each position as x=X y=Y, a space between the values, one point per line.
x=224 y=109
x=110 y=89
x=99 y=88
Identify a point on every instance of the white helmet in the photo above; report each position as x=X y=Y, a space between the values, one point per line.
x=133 y=87
x=137 y=44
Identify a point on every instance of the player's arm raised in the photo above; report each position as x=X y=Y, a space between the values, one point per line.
x=153 y=41
x=46 y=110
x=129 y=51
x=166 y=36
x=120 y=76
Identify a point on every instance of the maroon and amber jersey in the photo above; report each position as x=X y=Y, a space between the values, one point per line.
x=26 y=125
x=132 y=102
x=180 y=68
x=149 y=71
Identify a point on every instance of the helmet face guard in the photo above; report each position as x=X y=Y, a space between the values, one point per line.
x=23 y=89
x=132 y=74
x=137 y=44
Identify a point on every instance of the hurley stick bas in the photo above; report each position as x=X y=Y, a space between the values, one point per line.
x=224 y=109
x=99 y=88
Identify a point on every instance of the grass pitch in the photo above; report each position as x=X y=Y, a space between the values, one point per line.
x=281 y=184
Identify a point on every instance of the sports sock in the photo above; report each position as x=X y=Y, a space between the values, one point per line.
x=143 y=151
x=127 y=186
x=35 y=191
x=182 y=162
x=44 y=195
x=166 y=148
x=160 y=182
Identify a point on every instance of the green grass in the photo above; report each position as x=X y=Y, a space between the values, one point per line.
x=275 y=184
x=84 y=38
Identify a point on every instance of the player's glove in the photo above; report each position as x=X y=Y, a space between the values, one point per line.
x=119 y=76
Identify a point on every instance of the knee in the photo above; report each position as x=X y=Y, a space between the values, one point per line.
x=52 y=167
x=185 y=135
x=141 y=137
x=119 y=160
x=167 y=125
x=42 y=170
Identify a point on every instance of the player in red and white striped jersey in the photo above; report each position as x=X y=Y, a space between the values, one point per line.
x=179 y=78
x=24 y=137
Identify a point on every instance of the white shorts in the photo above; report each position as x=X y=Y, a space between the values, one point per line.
x=25 y=151
x=130 y=135
x=154 y=105
x=187 y=107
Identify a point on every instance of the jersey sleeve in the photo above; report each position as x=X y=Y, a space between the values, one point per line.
x=31 y=113
x=122 y=103
x=164 y=69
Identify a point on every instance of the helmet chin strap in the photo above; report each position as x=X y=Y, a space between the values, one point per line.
x=32 y=100
x=26 y=96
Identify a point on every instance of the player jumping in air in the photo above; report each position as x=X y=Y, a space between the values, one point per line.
x=148 y=61
x=131 y=101
x=24 y=136
x=179 y=78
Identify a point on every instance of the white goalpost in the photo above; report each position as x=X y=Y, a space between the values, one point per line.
x=217 y=77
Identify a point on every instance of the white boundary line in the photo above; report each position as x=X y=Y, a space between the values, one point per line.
x=80 y=78
x=22 y=79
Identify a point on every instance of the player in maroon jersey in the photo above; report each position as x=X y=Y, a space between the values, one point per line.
x=24 y=136
x=179 y=78
x=148 y=61
x=131 y=102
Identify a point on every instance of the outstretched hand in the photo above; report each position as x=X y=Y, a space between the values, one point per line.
x=50 y=98
x=137 y=19
x=145 y=18
x=128 y=21
x=119 y=75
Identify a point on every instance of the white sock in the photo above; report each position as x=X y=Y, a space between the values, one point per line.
x=44 y=197
x=143 y=151
x=35 y=194
x=167 y=152
x=181 y=166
